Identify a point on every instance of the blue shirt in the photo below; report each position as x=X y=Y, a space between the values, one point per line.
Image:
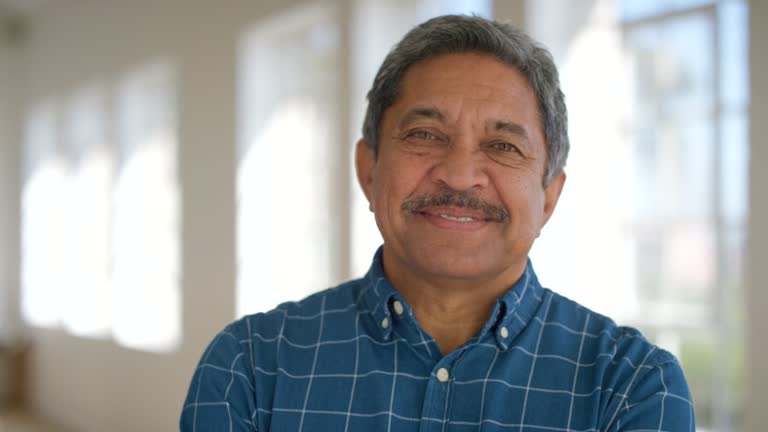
x=354 y=358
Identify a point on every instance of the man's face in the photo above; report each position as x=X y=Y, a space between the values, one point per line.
x=457 y=186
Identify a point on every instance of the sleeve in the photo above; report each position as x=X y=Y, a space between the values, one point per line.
x=222 y=395
x=657 y=399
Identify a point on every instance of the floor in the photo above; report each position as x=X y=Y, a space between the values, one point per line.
x=15 y=421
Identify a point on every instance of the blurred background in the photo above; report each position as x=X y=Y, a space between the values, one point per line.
x=167 y=166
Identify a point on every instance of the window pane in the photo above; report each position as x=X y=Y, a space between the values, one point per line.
x=288 y=138
x=734 y=167
x=638 y=9
x=673 y=63
x=85 y=307
x=676 y=262
x=43 y=232
x=145 y=237
x=733 y=18
x=673 y=172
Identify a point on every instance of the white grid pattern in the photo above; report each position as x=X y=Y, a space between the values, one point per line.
x=326 y=363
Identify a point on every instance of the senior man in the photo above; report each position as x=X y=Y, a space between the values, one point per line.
x=462 y=157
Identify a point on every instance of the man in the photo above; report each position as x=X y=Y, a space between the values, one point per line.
x=462 y=163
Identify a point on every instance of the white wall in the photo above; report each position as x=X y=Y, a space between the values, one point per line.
x=92 y=385
x=9 y=187
x=4 y=189
x=757 y=300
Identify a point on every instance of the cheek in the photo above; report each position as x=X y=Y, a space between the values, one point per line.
x=525 y=202
x=399 y=179
x=536 y=210
x=386 y=192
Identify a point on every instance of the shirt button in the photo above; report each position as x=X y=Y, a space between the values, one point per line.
x=504 y=332
x=442 y=375
x=385 y=323
x=398 y=307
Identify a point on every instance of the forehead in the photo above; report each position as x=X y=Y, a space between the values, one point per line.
x=456 y=82
x=451 y=64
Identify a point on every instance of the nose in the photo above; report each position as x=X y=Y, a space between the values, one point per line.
x=460 y=168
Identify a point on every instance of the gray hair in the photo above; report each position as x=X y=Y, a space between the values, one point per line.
x=452 y=34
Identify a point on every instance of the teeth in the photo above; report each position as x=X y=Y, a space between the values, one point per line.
x=457 y=219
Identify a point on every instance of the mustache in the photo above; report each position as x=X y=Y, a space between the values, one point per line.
x=452 y=198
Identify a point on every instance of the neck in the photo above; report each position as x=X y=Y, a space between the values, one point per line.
x=450 y=310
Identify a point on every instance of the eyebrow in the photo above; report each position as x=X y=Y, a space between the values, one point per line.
x=511 y=127
x=431 y=112
x=422 y=112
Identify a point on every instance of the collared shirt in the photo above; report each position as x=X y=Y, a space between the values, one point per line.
x=354 y=358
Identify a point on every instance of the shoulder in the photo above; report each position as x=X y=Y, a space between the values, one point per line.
x=265 y=327
x=643 y=386
x=222 y=388
x=601 y=333
x=236 y=373
x=286 y=337
x=293 y=327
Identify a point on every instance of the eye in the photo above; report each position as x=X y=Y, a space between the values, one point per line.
x=505 y=153
x=505 y=147
x=420 y=134
x=423 y=138
x=422 y=141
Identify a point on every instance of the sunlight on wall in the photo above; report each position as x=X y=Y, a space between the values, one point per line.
x=42 y=233
x=287 y=133
x=87 y=214
x=100 y=213
x=146 y=301
x=279 y=221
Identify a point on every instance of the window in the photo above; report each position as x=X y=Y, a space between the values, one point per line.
x=288 y=149
x=87 y=214
x=100 y=212
x=146 y=298
x=687 y=131
x=650 y=229
x=42 y=236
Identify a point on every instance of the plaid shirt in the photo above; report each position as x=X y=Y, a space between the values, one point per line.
x=354 y=358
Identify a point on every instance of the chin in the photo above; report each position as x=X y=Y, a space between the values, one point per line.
x=454 y=264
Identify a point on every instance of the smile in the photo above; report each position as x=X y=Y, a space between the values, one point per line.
x=457 y=219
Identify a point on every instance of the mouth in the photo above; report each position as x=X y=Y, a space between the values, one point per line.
x=456 y=214
x=456 y=219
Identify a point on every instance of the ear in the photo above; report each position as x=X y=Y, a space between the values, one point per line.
x=364 y=165
x=552 y=195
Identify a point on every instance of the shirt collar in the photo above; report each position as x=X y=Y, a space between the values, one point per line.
x=379 y=295
x=512 y=311
x=515 y=309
